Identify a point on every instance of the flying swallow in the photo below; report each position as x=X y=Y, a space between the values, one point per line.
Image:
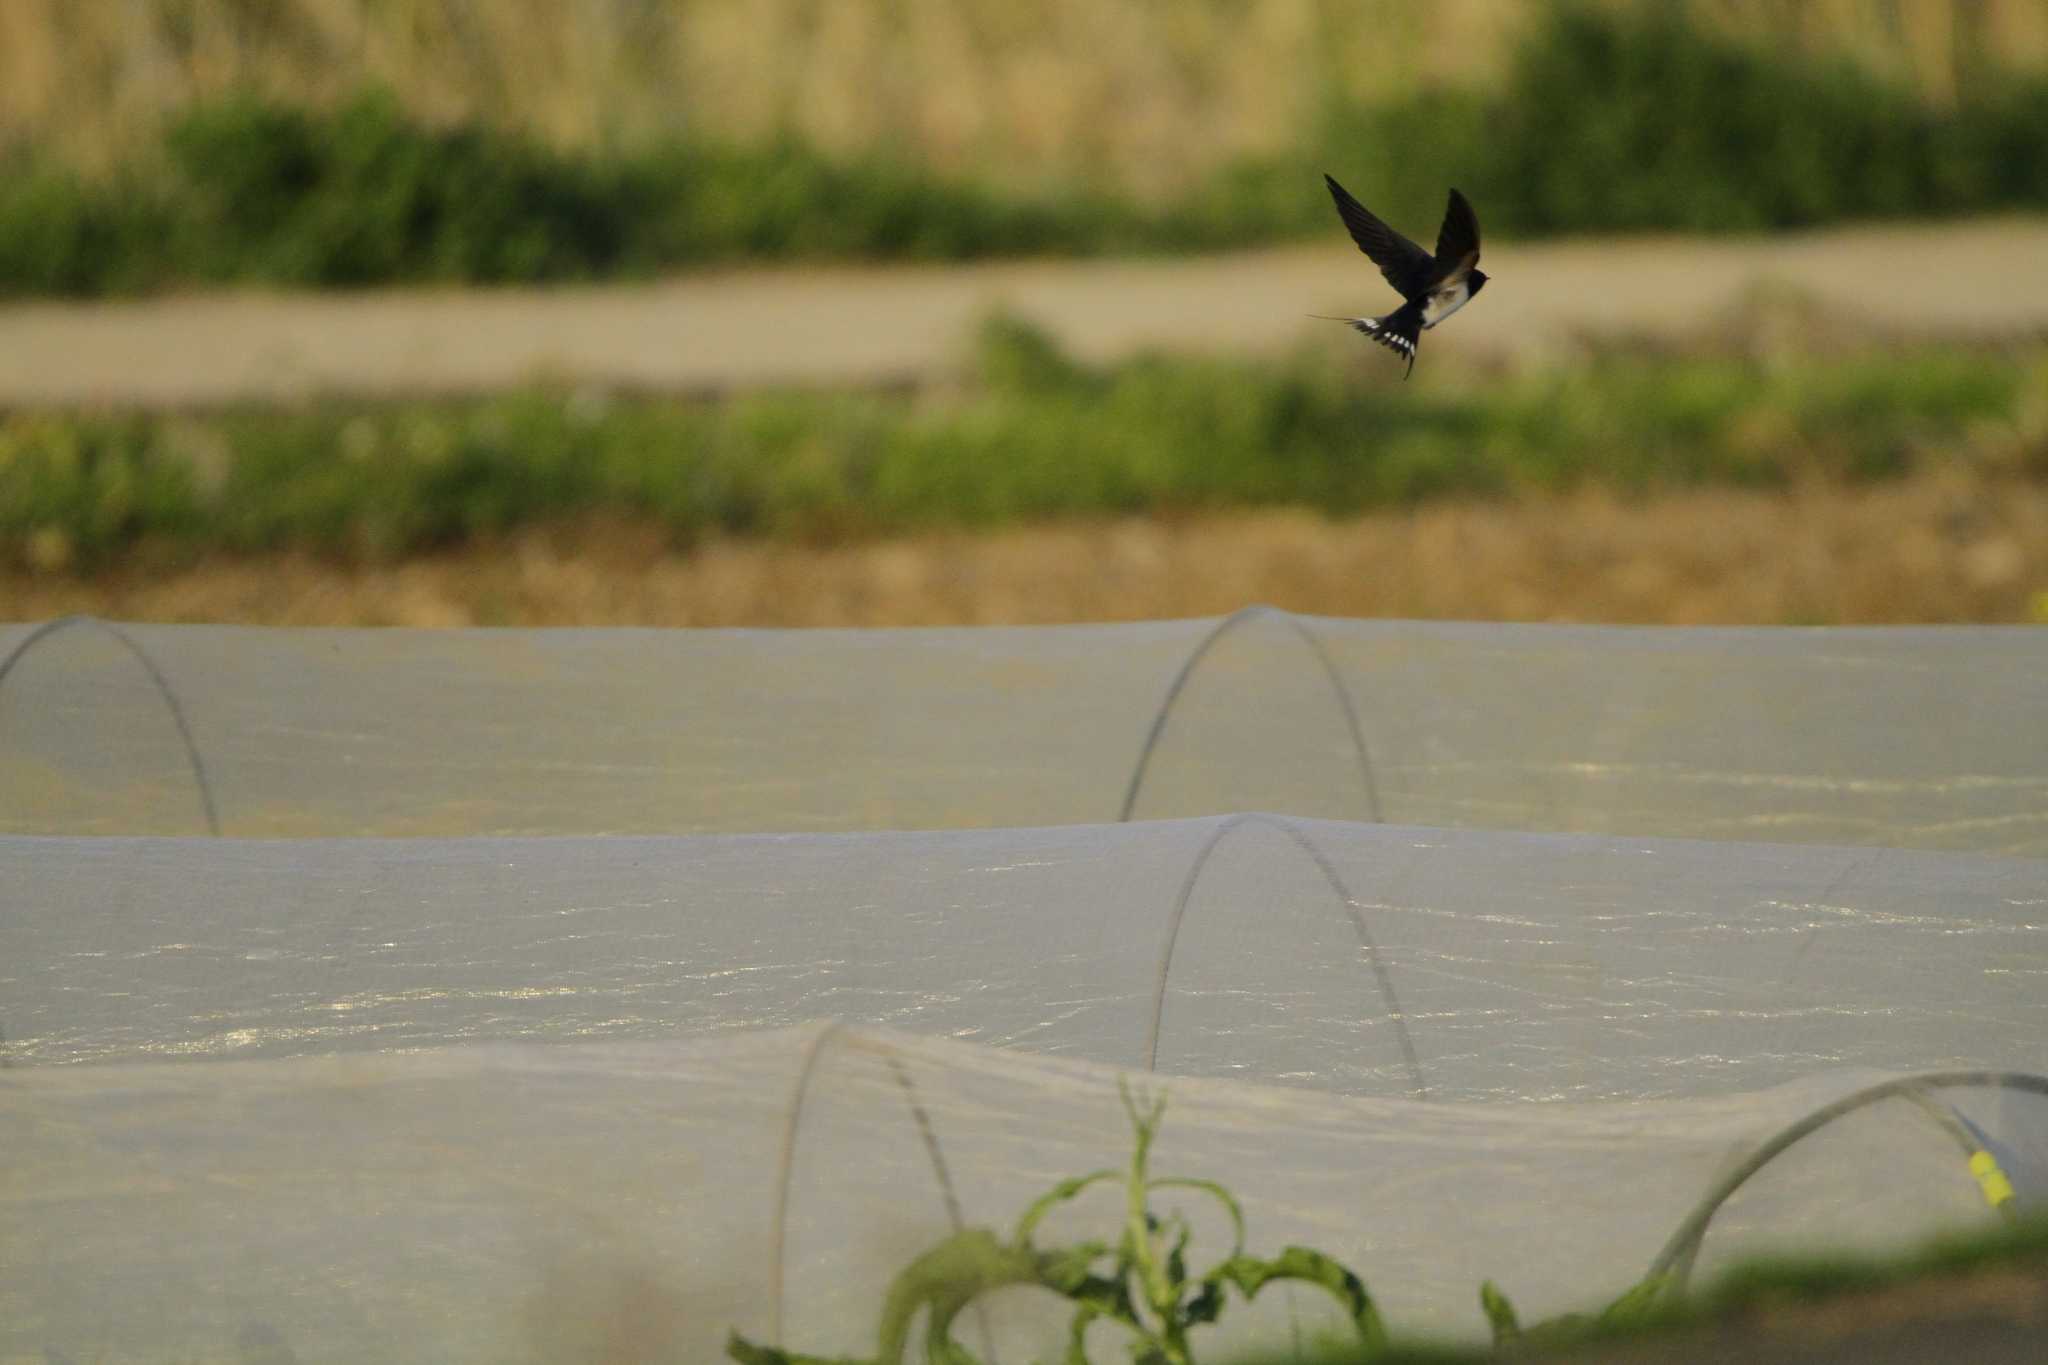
x=1434 y=286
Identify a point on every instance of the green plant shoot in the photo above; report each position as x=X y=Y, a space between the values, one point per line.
x=1141 y=1283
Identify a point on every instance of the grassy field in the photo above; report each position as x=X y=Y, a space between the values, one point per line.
x=1947 y=546
x=1156 y=96
x=1035 y=436
x=1584 y=118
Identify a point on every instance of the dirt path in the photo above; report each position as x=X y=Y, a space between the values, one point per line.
x=876 y=325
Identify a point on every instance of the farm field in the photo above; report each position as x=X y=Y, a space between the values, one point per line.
x=1736 y=434
x=339 y=144
x=1539 y=857
x=1946 y=546
x=1200 y=82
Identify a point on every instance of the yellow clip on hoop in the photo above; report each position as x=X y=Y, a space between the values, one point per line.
x=1997 y=1189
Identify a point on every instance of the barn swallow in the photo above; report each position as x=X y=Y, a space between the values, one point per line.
x=1434 y=286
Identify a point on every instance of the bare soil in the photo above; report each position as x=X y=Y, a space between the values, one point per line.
x=1933 y=548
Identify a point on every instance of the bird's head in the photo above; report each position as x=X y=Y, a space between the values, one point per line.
x=1476 y=281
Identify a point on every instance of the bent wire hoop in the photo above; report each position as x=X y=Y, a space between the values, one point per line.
x=1418 y=1088
x=785 y=1177
x=1676 y=1258
x=1194 y=659
x=156 y=678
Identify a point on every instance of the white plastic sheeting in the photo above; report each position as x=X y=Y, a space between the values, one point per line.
x=1557 y=936
x=1928 y=738
x=635 y=1201
x=1365 y=959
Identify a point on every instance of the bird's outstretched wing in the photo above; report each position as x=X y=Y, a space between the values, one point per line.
x=1457 y=243
x=1406 y=266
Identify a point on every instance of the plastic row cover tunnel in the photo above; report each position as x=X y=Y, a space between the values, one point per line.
x=1930 y=738
x=635 y=1201
x=1365 y=959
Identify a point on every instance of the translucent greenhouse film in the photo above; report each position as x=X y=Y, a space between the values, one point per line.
x=587 y=995
x=1923 y=738
x=635 y=1201
x=1365 y=959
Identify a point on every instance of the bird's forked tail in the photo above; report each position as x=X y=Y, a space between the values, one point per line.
x=1399 y=331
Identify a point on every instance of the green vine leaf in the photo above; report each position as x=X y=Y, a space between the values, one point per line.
x=1141 y=1283
x=1642 y=1301
x=1500 y=1315
x=1221 y=1195
x=1052 y=1199
x=1309 y=1266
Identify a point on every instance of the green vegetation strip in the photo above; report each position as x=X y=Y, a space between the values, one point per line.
x=1603 y=122
x=1034 y=435
x=1749 y=1289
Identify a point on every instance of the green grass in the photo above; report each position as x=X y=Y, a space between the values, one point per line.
x=251 y=191
x=1762 y=1285
x=1035 y=435
x=1604 y=122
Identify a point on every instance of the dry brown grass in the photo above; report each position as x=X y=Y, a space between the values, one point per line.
x=1148 y=92
x=1938 y=547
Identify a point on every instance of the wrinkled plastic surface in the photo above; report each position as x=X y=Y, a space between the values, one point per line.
x=1366 y=959
x=1927 y=738
x=634 y=1201
x=1553 y=929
